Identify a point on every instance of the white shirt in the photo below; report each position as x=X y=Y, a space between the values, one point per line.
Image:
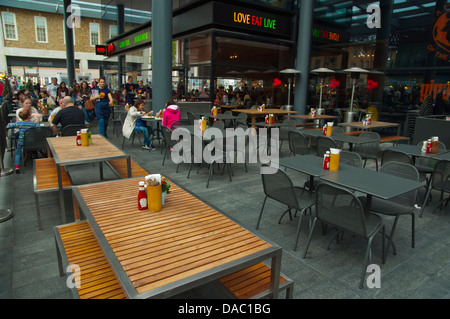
x=52 y=89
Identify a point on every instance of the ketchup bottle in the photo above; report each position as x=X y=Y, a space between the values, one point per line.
x=326 y=160
x=429 y=146
x=324 y=132
x=142 y=197
x=78 y=138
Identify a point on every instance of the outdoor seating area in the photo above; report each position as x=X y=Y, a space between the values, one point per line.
x=301 y=231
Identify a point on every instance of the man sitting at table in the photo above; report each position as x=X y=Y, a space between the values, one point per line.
x=69 y=114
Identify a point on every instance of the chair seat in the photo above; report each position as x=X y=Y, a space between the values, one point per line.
x=373 y=221
x=305 y=197
x=385 y=207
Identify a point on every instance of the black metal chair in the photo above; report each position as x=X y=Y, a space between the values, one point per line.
x=241 y=118
x=440 y=181
x=324 y=143
x=228 y=123
x=340 y=208
x=219 y=125
x=426 y=165
x=35 y=140
x=338 y=130
x=279 y=187
x=350 y=158
x=191 y=118
x=298 y=143
x=400 y=205
x=369 y=150
x=285 y=129
x=395 y=156
x=72 y=129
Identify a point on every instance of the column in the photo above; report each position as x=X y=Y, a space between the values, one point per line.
x=120 y=58
x=161 y=52
x=303 y=55
x=70 y=55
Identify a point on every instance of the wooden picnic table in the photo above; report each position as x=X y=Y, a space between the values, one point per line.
x=65 y=152
x=373 y=125
x=185 y=245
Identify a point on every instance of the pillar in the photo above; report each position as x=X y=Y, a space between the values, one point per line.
x=120 y=58
x=70 y=55
x=161 y=52
x=303 y=55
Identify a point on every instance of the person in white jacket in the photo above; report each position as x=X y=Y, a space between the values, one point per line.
x=133 y=122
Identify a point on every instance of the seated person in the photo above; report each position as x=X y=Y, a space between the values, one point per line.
x=171 y=114
x=69 y=114
x=133 y=122
x=25 y=123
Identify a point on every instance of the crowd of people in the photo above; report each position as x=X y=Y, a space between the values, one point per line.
x=79 y=105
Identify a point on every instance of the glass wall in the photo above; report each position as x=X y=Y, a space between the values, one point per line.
x=411 y=48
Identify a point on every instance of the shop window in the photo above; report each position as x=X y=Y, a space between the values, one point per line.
x=9 y=26
x=113 y=31
x=94 y=30
x=40 y=27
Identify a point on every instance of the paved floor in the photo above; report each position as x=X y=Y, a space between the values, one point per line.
x=28 y=264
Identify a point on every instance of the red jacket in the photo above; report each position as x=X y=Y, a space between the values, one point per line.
x=170 y=115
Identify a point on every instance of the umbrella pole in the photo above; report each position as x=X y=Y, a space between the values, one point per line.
x=353 y=94
x=289 y=91
x=321 y=88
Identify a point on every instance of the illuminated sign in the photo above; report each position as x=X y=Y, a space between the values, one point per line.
x=249 y=19
x=441 y=34
x=130 y=41
x=327 y=35
x=246 y=18
x=100 y=49
x=433 y=89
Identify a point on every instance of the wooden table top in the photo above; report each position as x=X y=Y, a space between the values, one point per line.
x=265 y=112
x=148 y=251
x=65 y=150
x=317 y=117
x=374 y=124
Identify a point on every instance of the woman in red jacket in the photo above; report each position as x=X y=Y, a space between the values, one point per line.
x=171 y=114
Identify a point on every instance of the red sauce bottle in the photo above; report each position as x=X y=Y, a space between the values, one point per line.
x=142 y=197
x=78 y=138
x=326 y=160
x=429 y=146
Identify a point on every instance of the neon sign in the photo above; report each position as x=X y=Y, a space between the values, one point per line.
x=246 y=18
x=327 y=35
x=100 y=49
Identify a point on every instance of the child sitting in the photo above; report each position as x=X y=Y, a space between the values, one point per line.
x=26 y=123
x=133 y=122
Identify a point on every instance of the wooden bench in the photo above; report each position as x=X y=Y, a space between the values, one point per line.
x=120 y=167
x=253 y=283
x=77 y=245
x=353 y=133
x=45 y=179
x=393 y=139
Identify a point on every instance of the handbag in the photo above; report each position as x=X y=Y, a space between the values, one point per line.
x=89 y=105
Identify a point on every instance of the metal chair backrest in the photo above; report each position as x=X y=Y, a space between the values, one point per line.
x=340 y=207
x=72 y=129
x=324 y=143
x=337 y=130
x=191 y=118
x=167 y=136
x=175 y=125
x=298 y=144
x=370 y=148
x=219 y=125
x=279 y=187
x=403 y=170
x=288 y=125
x=441 y=176
x=395 y=156
x=350 y=158
x=35 y=138
x=242 y=118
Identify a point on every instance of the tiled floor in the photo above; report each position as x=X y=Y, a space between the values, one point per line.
x=29 y=269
